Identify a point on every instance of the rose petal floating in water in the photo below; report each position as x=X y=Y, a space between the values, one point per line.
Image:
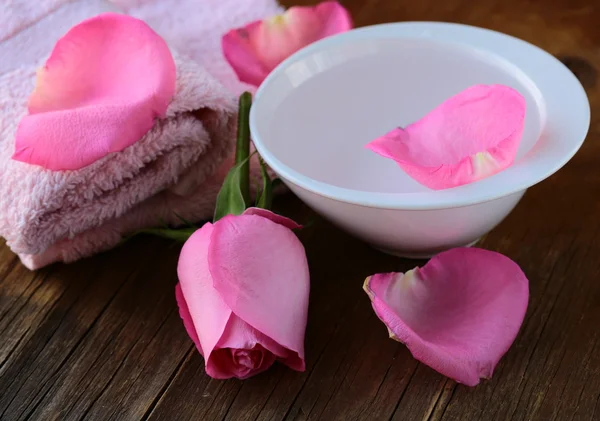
x=468 y=137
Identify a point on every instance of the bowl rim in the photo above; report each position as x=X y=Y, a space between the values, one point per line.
x=552 y=79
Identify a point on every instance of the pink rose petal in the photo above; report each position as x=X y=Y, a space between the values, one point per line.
x=458 y=314
x=244 y=352
x=186 y=316
x=278 y=219
x=468 y=137
x=256 y=49
x=204 y=313
x=248 y=256
x=240 y=363
x=102 y=88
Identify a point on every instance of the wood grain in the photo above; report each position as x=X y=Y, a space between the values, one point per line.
x=101 y=339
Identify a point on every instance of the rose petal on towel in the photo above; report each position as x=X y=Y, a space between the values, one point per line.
x=259 y=267
x=256 y=49
x=106 y=81
x=458 y=314
x=468 y=137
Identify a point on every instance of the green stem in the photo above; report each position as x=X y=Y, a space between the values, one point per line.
x=242 y=149
x=180 y=235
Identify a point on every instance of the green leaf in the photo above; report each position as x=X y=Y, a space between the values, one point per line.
x=242 y=148
x=266 y=196
x=230 y=200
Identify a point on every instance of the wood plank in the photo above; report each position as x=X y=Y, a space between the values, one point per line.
x=58 y=316
x=15 y=320
x=129 y=351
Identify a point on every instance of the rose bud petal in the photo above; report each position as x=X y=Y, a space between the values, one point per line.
x=243 y=293
x=470 y=136
x=458 y=314
x=106 y=81
x=278 y=219
x=256 y=49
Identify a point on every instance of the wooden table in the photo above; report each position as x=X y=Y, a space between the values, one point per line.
x=101 y=339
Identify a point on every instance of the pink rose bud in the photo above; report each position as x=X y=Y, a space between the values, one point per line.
x=243 y=293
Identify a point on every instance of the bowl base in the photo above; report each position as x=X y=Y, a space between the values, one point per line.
x=417 y=256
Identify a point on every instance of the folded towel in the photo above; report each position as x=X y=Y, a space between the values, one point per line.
x=192 y=27
x=175 y=170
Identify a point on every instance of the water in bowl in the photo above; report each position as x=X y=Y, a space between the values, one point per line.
x=339 y=99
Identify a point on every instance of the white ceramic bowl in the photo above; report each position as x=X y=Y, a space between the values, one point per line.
x=315 y=112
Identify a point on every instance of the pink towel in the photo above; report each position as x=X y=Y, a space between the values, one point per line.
x=195 y=27
x=176 y=169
